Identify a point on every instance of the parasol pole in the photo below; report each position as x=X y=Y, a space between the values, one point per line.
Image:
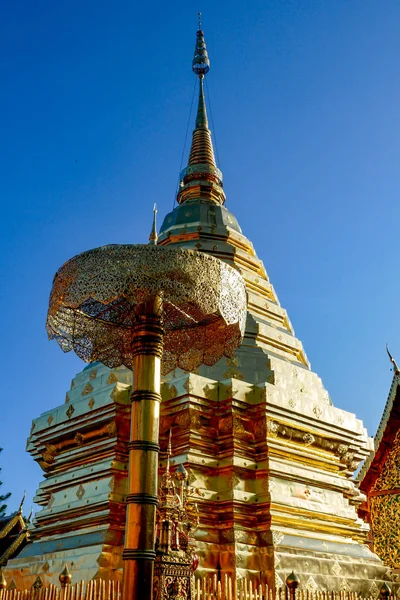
x=139 y=552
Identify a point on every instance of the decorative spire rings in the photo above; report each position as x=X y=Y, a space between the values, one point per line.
x=201 y=179
x=201 y=62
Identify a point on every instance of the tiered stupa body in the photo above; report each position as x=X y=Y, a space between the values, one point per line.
x=81 y=446
x=269 y=457
x=269 y=454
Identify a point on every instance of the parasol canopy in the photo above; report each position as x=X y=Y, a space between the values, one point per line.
x=98 y=295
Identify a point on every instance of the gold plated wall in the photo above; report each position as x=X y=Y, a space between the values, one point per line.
x=81 y=446
x=270 y=455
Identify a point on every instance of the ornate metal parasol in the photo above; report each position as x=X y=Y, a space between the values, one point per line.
x=121 y=304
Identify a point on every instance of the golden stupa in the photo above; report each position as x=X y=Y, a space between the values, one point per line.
x=270 y=459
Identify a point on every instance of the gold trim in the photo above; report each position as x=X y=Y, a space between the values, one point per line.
x=7 y=528
x=14 y=546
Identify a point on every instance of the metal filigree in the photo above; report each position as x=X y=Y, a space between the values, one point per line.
x=95 y=298
x=389 y=477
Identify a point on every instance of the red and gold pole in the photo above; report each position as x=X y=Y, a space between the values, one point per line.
x=139 y=553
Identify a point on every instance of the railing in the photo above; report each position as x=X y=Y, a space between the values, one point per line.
x=96 y=589
x=210 y=588
x=206 y=588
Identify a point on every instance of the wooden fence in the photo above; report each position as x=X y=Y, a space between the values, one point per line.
x=206 y=588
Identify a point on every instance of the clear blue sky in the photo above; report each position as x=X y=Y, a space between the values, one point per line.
x=94 y=105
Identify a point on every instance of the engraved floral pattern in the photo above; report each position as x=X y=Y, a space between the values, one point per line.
x=385 y=509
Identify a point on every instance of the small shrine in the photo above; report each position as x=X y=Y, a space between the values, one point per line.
x=177 y=520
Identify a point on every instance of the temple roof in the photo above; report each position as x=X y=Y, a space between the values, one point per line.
x=13 y=535
x=388 y=428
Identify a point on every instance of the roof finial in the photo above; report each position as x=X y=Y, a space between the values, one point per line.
x=167 y=485
x=22 y=502
x=396 y=369
x=169 y=448
x=153 y=237
x=199 y=20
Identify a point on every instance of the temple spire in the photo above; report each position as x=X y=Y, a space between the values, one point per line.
x=22 y=502
x=169 y=449
x=153 y=237
x=201 y=118
x=201 y=180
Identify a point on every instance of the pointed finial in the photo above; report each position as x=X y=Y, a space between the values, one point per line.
x=169 y=449
x=3 y=582
x=167 y=485
x=201 y=62
x=396 y=369
x=153 y=237
x=22 y=502
x=384 y=591
x=199 y=20
x=201 y=178
x=292 y=581
x=65 y=577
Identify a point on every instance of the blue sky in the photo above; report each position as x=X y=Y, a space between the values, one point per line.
x=93 y=113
